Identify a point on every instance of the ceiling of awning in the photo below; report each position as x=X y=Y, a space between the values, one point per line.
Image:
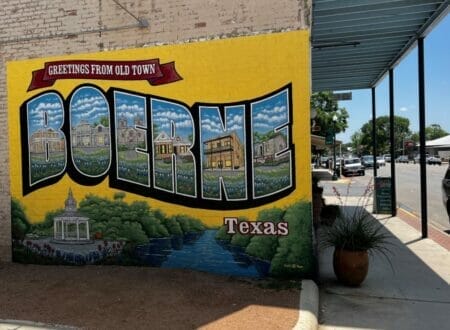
x=354 y=42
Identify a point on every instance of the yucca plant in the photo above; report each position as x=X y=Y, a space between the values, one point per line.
x=356 y=232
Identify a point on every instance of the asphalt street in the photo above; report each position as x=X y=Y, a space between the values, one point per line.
x=408 y=190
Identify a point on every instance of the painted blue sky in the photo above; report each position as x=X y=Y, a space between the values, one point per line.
x=88 y=104
x=130 y=106
x=437 y=93
x=164 y=113
x=270 y=113
x=50 y=103
x=211 y=124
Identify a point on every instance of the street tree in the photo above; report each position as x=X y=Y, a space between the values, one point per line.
x=364 y=139
x=326 y=107
x=434 y=131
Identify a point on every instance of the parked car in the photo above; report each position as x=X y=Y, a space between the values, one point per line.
x=387 y=158
x=446 y=191
x=381 y=161
x=402 y=159
x=367 y=161
x=352 y=166
x=432 y=160
x=416 y=159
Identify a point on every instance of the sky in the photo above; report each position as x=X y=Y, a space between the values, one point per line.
x=437 y=88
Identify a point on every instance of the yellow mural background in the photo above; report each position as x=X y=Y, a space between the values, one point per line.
x=219 y=71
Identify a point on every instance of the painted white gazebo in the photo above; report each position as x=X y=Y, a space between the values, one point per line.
x=71 y=226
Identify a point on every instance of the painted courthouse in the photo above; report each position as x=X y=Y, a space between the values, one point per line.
x=160 y=122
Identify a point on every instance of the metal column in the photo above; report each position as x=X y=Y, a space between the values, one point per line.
x=374 y=134
x=392 y=142
x=423 y=168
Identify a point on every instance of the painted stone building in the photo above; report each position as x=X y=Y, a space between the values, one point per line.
x=224 y=152
x=34 y=29
x=266 y=151
x=46 y=137
x=85 y=135
x=129 y=136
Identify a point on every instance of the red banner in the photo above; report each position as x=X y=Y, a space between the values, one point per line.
x=150 y=70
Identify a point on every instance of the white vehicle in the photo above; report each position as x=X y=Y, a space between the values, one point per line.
x=381 y=161
x=352 y=166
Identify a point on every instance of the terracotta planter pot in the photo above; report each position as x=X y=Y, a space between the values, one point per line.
x=350 y=267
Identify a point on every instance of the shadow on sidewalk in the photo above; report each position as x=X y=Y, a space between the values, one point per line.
x=412 y=294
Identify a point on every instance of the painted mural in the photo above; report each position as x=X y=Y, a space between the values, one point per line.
x=174 y=156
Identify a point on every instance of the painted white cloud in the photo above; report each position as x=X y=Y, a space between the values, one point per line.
x=270 y=119
x=172 y=115
x=274 y=110
x=43 y=106
x=184 y=124
x=211 y=129
x=128 y=107
x=212 y=123
x=87 y=100
x=262 y=125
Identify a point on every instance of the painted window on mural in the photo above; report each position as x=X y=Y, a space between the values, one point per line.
x=47 y=144
x=173 y=138
x=90 y=131
x=272 y=160
x=131 y=138
x=223 y=153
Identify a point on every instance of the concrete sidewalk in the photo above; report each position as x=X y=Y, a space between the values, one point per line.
x=412 y=294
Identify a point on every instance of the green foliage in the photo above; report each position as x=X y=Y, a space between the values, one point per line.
x=45 y=228
x=434 y=131
x=239 y=239
x=172 y=225
x=294 y=256
x=132 y=232
x=120 y=195
x=153 y=227
x=104 y=120
x=362 y=139
x=222 y=234
x=135 y=222
x=19 y=222
x=327 y=107
x=265 y=247
x=189 y=224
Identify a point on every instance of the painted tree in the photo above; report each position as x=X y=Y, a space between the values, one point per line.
x=265 y=246
x=19 y=222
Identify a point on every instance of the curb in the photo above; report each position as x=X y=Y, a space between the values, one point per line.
x=29 y=325
x=309 y=306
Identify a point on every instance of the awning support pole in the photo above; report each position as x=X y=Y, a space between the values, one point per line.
x=423 y=164
x=374 y=133
x=392 y=142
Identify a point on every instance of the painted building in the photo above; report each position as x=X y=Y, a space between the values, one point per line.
x=88 y=136
x=224 y=152
x=46 y=138
x=166 y=145
x=266 y=151
x=128 y=135
x=211 y=77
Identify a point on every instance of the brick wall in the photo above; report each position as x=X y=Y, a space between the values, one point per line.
x=41 y=28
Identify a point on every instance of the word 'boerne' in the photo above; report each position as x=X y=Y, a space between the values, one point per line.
x=209 y=153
